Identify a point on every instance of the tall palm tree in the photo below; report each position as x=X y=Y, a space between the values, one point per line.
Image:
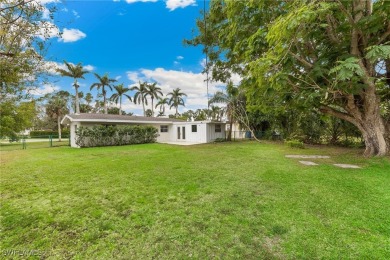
x=104 y=81
x=140 y=95
x=176 y=99
x=120 y=91
x=75 y=72
x=161 y=103
x=154 y=92
x=231 y=98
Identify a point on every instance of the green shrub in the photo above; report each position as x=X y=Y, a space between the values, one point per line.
x=219 y=140
x=37 y=134
x=295 y=144
x=115 y=135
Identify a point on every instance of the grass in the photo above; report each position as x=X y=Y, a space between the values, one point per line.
x=225 y=200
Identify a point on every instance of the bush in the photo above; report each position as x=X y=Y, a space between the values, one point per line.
x=295 y=144
x=219 y=140
x=115 y=135
x=35 y=134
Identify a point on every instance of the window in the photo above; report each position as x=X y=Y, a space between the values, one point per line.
x=194 y=128
x=163 y=128
x=218 y=129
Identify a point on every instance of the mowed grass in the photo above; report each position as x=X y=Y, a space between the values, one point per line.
x=225 y=200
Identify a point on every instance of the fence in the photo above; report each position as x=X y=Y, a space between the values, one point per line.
x=26 y=142
x=242 y=135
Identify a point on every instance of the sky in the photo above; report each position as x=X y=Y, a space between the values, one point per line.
x=132 y=41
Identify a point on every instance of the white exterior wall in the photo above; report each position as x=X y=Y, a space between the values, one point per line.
x=164 y=137
x=72 y=133
x=205 y=131
x=212 y=135
x=194 y=137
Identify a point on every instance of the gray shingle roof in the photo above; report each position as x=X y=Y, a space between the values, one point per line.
x=108 y=117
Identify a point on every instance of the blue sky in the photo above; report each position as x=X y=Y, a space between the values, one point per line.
x=131 y=40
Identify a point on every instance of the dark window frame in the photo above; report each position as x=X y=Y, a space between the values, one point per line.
x=194 y=128
x=164 y=128
x=218 y=129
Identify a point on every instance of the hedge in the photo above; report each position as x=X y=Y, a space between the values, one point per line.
x=46 y=133
x=115 y=135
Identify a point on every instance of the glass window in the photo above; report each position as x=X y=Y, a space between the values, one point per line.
x=218 y=128
x=194 y=128
x=163 y=128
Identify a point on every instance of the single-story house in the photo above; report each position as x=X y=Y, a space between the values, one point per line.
x=170 y=130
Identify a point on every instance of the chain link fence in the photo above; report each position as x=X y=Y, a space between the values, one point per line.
x=26 y=142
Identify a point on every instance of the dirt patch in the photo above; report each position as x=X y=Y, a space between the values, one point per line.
x=309 y=163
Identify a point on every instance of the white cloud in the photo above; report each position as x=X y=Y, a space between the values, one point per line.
x=174 y=4
x=52 y=66
x=193 y=84
x=72 y=35
x=118 y=77
x=143 y=1
x=179 y=57
x=76 y=14
x=115 y=0
x=170 y=4
x=46 y=14
x=47 y=30
x=89 y=67
x=43 y=2
x=45 y=89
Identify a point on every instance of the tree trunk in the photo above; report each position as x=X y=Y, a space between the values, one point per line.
x=120 y=105
x=77 y=98
x=152 y=108
x=59 y=128
x=374 y=135
x=104 y=103
x=229 y=137
x=371 y=124
x=143 y=107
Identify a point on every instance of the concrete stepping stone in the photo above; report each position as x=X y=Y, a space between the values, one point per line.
x=351 y=166
x=308 y=156
x=308 y=163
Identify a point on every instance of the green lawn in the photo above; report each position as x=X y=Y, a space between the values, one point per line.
x=225 y=200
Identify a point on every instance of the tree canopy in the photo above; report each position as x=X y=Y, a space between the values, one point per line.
x=329 y=56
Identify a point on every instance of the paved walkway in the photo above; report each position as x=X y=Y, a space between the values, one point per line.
x=309 y=163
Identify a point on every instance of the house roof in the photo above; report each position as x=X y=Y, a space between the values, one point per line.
x=108 y=118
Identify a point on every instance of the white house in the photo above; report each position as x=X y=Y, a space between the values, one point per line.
x=170 y=130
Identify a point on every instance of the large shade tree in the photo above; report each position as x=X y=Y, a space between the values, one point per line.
x=117 y=97
x=332 y=56
x=176 y=99
x=23 y=35
x=75 y=72
x=103 y=82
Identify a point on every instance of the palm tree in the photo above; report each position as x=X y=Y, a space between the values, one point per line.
x=176 y=99
x=75 y=72
x=161 y=103
x=140 y=95
x=154 y=92
x=104 y=81
x=231 y=98
x=215 y=112
x=120 y=91
x=56 y=108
